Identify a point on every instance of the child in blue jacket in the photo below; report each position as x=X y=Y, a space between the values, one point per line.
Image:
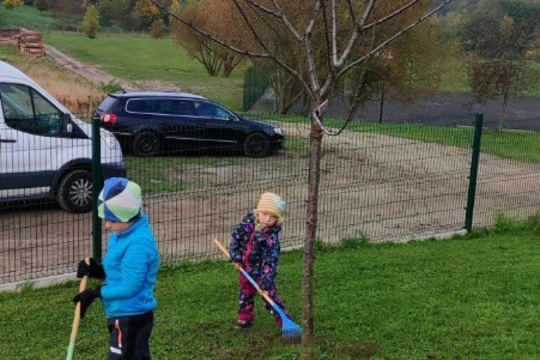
x=255 y=247
x=129 y=271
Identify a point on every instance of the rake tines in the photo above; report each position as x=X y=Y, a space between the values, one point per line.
x=289 y=329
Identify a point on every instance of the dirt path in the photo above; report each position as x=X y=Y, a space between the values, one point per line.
x=89 y=72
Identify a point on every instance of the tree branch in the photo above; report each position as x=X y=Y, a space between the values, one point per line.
x=392 y=38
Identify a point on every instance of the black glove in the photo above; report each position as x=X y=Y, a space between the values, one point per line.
x=86 y=298
x=94 y=270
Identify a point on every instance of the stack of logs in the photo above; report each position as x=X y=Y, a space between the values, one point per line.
x=28 y=41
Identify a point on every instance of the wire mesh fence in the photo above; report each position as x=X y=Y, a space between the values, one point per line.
x=379 y=182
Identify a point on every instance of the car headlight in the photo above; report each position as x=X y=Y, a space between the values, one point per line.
x=278 y=130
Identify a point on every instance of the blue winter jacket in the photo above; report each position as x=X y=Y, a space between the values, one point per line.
x=131 y=265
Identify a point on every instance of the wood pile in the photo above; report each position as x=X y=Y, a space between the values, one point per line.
x=9 y=36
x=28 y=41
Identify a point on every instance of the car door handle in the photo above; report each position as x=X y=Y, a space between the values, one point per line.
x=8 y=140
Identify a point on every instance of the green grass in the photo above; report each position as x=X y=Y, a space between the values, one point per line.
x=150 y=59
x=473 y=297
x=28 y=17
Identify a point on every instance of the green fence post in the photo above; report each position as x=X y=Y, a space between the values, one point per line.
x=96 y=189
x=473 y=174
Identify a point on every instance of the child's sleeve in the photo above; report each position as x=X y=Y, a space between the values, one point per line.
x=236 y=247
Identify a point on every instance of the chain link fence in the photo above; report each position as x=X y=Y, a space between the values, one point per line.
x=379 y=182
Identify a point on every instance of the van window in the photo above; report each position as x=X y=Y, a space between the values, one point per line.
x=26 y=110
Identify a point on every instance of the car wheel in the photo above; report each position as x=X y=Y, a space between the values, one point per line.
x=256 y=145
x=146 y=144
x=74 y=194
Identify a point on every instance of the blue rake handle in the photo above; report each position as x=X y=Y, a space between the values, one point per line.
x=289 y=327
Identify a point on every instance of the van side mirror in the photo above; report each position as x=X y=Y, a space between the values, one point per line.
x=68 y=125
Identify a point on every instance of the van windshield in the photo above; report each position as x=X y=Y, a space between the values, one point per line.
x=26 y=110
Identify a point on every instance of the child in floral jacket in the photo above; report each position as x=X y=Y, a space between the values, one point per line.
x=255 y=247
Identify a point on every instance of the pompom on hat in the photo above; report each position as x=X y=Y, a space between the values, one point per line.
x=120 y=200
x=271 y=203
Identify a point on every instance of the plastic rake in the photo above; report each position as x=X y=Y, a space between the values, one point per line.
x=76 y=317
x=289 y=328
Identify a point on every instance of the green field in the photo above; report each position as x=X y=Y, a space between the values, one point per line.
x=473 y=297
x=28 y=17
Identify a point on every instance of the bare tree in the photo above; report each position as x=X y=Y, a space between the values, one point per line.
x=331 y=39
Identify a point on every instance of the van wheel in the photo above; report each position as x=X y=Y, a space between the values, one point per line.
x=146 y=144
x=75 y=192
x=256 y=145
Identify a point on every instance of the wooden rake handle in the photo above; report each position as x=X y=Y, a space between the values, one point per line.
x=77 y=316
x=244 y=272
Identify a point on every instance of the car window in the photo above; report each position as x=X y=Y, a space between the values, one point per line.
x=209 y=110
x=141 y=105
x=26 y=110
x=175 y=107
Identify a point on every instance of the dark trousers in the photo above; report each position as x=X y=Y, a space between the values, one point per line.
x=129 y=336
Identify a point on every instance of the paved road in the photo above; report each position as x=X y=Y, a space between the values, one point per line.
x=523 y=113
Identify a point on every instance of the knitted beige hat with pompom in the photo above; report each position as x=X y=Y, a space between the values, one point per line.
x=271 y=203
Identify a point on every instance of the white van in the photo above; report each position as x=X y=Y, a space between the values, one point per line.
x=45 y=151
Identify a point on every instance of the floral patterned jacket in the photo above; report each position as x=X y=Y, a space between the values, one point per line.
x=258 y=251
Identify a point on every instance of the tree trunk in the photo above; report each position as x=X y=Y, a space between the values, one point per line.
x=316 y=136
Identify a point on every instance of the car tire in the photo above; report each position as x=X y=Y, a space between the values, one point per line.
x=256 y=145
x=74 y=194
x=146 y=144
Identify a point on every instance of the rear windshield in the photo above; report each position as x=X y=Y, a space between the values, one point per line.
x=107 y=104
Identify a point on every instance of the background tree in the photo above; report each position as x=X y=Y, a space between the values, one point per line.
x=114 y=12
x=334 y=39
x=147 y=12
x=217 y=15
x=12 y=4
x=91 y=21
x=41 y=5
x=68 y=13
x=497 y=35
x=157 y=30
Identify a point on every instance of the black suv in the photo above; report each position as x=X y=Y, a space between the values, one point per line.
x=148 y=123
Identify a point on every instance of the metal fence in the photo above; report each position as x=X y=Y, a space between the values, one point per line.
x=392 y=184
